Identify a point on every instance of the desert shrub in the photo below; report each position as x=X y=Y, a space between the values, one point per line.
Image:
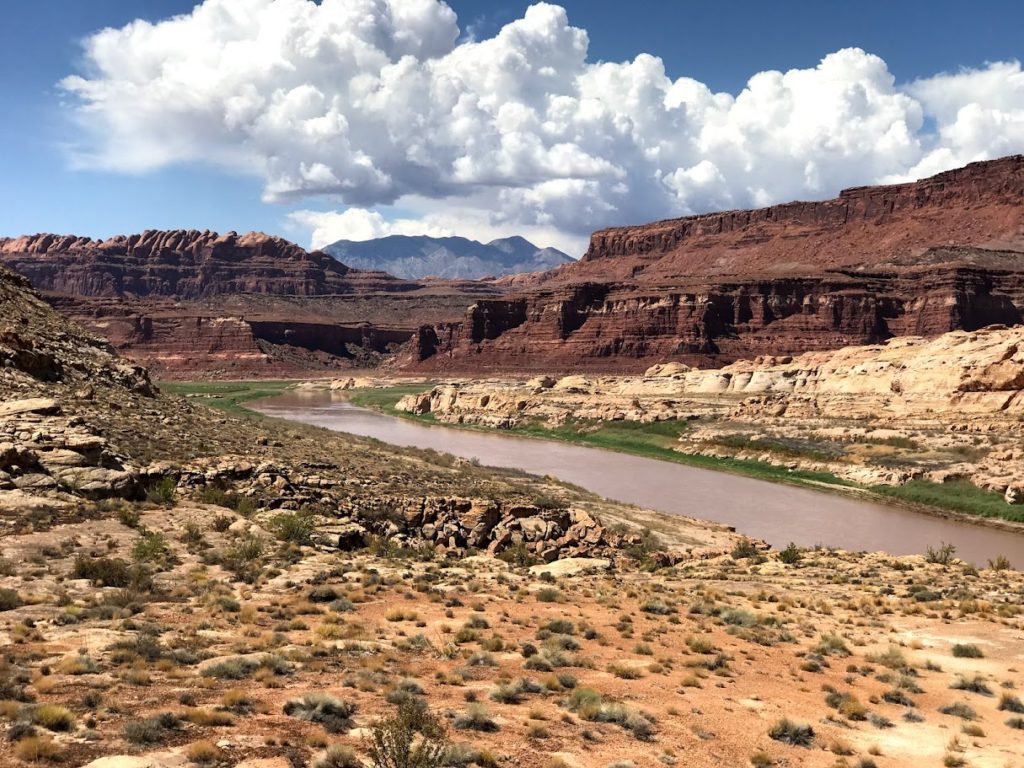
x=974 y=684
x=942 y=555
x=204 y=753
x=463 y=754
x=832 y=645
x=789 y=732
x=791 y=554
x=36 y=749
x=745 y=548
x=737 y=617
x=232 y=669
x=967 y=651
x=475 y=718
x=625 y=671
x=150 y=548
x=590 y=706
x=238 y=668
x=221 y=523
x=162 y=492
x=53 y=717
x=548 y=595
x=700 y=645
x=129 y=517
x=9 y=599
x=560 y=627
x=892 y=658
x=13 y=680
x=847 y=705
x=192 y=534
x=896 y=696
x=238 y=701
x=961 y=710
x=242 y=558
x=1010 y=703
x=1000 y=563
x=413 y=738
x=105 y=571
x=338 y=756
x=151 y=730
x=220 y=497
x=657 y=608
x=293 y=527
x=207 y=718
x=518 y=554
x=322 y=593
x=332 y=713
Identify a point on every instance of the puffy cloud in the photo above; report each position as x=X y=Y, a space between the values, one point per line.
x=372 y=102
x=979 y=113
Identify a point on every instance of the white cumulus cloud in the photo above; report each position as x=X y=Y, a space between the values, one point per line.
x=369 y=103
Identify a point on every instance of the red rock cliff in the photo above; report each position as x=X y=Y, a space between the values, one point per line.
x=186 y=265
x=922 y=258
x=980 y=204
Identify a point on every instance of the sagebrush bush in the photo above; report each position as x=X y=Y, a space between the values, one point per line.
x=788 y=732
x=332 y=713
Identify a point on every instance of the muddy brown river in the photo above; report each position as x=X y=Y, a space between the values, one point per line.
x=776 y=513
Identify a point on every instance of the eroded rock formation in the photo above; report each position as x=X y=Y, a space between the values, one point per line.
x=190 y=303
x=929 y=257
x=70 y=407
x=945 y=405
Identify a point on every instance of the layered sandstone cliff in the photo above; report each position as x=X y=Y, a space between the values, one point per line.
x=925 y=258
x=184 y=265
x=979 y=204
x=939 y=408
x=190 y=303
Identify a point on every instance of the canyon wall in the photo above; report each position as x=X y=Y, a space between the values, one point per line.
x=925 y=258
x=197 y=304
x=185 y=265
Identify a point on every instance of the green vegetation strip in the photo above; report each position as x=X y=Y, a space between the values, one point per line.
x=229 y=396
x=960 y=496
x=655 y=440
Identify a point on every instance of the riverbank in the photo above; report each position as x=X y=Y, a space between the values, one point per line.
x=959 y=501
x=956 y=500
x=653 y=440
x=229 y=396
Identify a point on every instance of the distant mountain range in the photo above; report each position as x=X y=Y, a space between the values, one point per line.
x=413 y=258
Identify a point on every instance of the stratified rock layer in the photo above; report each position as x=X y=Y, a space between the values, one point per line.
x=925 y=258
x=191 y=304
x=913 y=407
x=184 y=264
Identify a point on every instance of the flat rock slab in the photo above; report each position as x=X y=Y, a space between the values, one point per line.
x=572 y=566
x=29 y=405
x=264 y=762
x=156 y=760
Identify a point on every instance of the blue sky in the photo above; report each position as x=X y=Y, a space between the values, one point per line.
x=720 y=44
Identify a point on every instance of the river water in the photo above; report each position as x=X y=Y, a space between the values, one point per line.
x=776 y=513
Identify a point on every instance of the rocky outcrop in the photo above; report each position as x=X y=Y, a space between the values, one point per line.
x=595 y=326
x=185 y=265
x=41 y=449
x=945 y=402
x=979 y=204
x=68 y=403
x=925 y=258
x=191 y=304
